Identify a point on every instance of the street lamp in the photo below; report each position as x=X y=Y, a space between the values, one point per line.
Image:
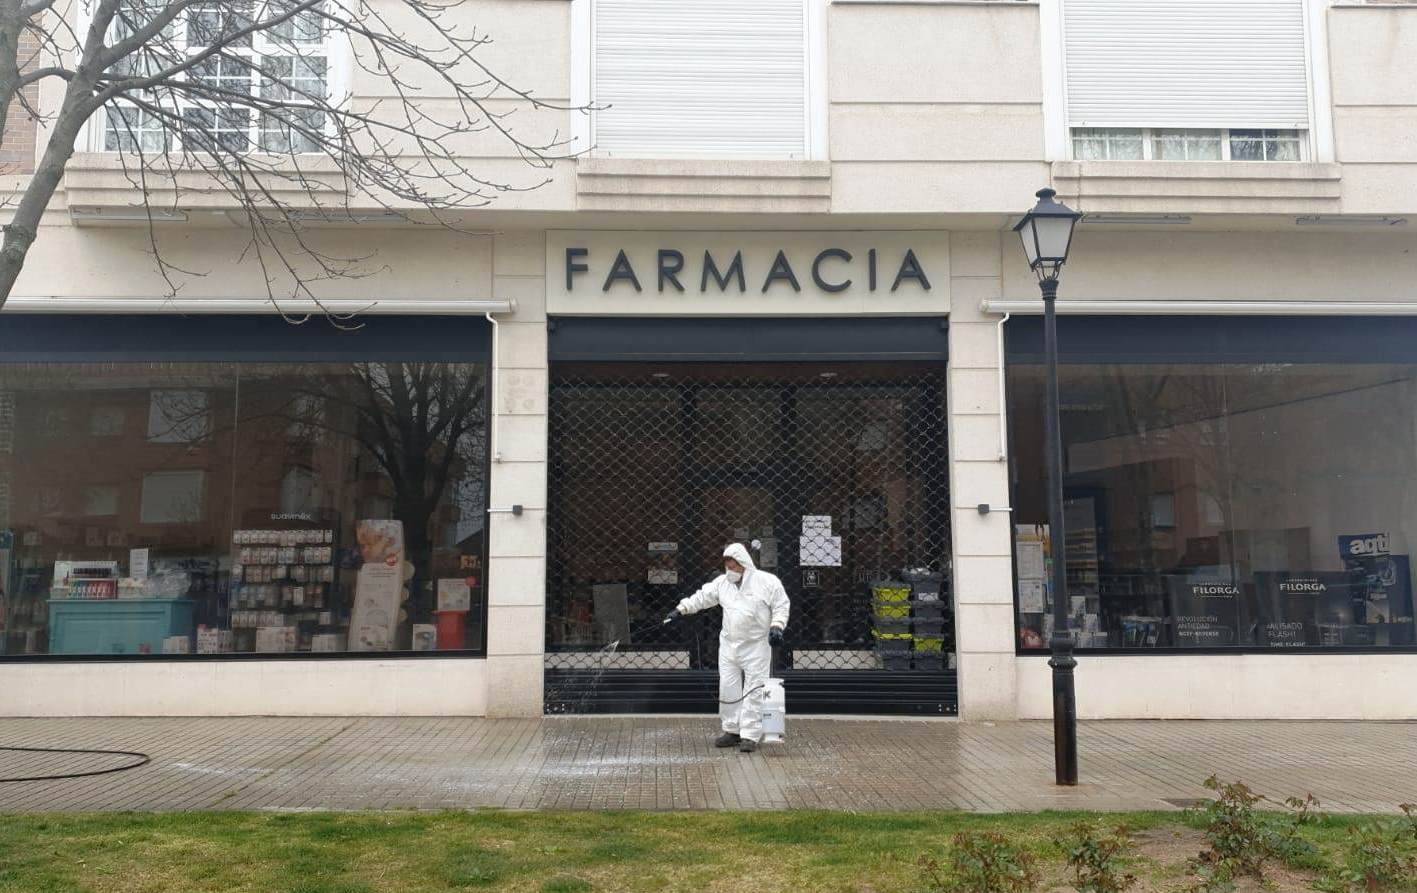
x=1047 y=234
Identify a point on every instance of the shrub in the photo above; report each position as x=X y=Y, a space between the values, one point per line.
x=1237 y=839
x=1242 y=840
x=1378 y=856
x=982 y=862
x=1095 y=857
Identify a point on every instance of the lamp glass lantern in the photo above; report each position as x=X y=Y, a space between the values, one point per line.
x=1047 y=235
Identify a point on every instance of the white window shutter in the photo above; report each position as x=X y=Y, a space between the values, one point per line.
x=700 y=77
x=1186 y=63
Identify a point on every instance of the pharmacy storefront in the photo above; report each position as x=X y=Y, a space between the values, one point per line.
x=784 y=390
x=486 y=506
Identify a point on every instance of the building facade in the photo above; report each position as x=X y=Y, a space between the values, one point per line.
x=774 y=299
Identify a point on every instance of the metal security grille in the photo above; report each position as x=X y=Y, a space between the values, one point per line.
x=837 y=472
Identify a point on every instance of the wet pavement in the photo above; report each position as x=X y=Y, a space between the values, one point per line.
x=668 y=763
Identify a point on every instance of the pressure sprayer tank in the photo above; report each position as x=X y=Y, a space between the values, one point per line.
x=774 y=711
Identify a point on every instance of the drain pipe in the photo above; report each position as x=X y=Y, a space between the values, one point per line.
x=493 y=382
x=1003 y=407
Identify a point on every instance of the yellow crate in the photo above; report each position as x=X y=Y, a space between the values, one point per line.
x=891 y=609
x=929 y=643
x=880 y=635
x=890 y=593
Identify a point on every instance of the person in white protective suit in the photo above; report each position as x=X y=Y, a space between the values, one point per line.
x=755 y=609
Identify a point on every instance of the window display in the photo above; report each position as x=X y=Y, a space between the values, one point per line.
x=1254 y=504
x=241 y=508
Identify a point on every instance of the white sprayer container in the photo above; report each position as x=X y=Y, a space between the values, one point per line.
x=774 y=711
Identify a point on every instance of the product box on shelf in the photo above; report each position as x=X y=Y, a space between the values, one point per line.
x=211 y=640
x=283 y=577
x=328 y=643
x=278 y=639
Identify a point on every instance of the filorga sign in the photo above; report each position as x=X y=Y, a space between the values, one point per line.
x=746 y=273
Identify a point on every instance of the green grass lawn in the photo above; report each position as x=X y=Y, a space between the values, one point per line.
x=401 y=852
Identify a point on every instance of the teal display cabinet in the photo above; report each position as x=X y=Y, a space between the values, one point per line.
x=116 y=626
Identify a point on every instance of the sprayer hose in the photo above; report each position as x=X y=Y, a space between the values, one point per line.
x=745 y=695
x=141 y=759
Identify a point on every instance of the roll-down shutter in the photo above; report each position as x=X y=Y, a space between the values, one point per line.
x=1186 y=63
x=700 y=77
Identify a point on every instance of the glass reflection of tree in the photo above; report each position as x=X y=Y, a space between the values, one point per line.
x=422 y=424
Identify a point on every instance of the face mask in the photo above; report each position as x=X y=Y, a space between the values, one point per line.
x=733 y=576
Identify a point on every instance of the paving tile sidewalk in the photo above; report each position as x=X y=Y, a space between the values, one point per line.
x=668 y=763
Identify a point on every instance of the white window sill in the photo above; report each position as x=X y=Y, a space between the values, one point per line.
x=1201 y=170
x=1200 y=187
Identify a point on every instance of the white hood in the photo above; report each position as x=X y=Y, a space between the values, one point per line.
x=739 y=553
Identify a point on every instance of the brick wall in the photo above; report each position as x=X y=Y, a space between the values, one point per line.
x=17 y=148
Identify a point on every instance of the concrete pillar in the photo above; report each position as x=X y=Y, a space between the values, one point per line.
x=983 y=569
x=516 y=599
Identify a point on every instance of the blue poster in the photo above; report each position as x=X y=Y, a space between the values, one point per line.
x=1384 y=601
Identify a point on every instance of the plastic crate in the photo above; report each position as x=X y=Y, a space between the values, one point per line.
x=928 y=661
x=894 y=625
x=890 y=592
x=930 y=643
x=893 y=641
x=926 y=592
x=895 y=661
x=929 y=610
x=920 y=575
x=925 y=626
x=891 y=609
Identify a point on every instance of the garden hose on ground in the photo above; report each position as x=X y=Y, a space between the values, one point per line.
x=142 y=759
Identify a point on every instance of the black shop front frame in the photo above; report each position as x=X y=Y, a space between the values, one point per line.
x=821 y=440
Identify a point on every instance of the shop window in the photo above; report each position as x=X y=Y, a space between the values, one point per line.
x=1222 y=504
x=264 y=508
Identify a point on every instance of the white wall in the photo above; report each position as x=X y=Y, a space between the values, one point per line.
x=983 y=570
x=339 y=687
x=516 y=573
x=1240 y=686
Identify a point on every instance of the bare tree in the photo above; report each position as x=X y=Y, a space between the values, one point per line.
x=237 y=97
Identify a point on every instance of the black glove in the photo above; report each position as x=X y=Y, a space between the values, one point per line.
x=775 y=637
x=673 y=617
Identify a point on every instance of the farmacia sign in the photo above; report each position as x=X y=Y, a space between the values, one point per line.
x=831 y=270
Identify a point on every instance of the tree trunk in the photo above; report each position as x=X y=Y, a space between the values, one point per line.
x=20 y=232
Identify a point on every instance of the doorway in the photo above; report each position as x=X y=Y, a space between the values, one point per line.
x=834 y=473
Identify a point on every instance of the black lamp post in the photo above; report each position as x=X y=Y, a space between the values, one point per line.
x=1047 y=233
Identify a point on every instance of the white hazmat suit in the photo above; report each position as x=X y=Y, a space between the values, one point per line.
x=751 y=608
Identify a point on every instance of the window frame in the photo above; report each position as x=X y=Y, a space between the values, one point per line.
x=339 y=62
x=1319 y=147
x=1226 y=135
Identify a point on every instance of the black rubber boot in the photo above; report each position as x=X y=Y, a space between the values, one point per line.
x=747 y=745
x=727 y=739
